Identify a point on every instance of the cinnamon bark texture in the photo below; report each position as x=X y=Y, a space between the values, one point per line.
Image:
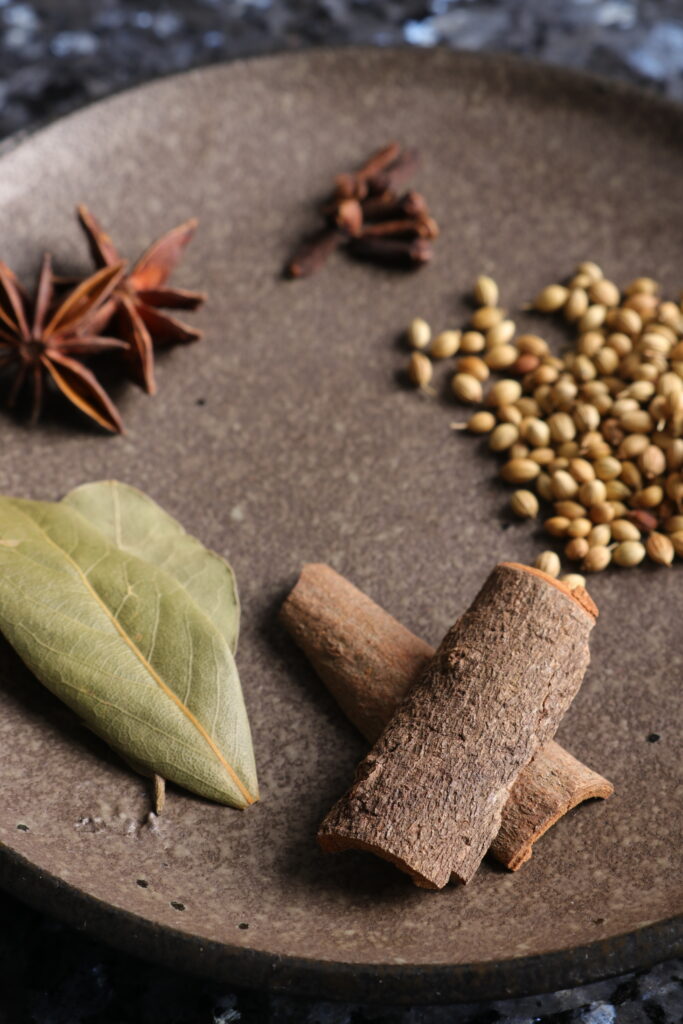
x=545 y=790
x=365 y=657
x=369 y=661
x=430 y=795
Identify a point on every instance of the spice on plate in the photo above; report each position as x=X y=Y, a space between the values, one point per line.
x=419 y=333
x=524 y=504
x=369 y=662
x=430 y=795
x=39 y=342
x=445 y=344
x=45 y=338
x=420 y=370
x=600 y=427
x=370 y=216
x=135 y=302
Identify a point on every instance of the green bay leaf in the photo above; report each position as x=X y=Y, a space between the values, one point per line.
x=135 y=523
x=121 y=642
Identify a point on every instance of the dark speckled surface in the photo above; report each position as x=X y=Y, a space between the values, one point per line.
x=316 y=393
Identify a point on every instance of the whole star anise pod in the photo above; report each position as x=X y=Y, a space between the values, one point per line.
x=38 y=341
x=135 y=302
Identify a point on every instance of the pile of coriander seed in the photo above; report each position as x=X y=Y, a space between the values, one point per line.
x=594 y=434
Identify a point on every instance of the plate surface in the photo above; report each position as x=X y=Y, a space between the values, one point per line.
x=284 y=437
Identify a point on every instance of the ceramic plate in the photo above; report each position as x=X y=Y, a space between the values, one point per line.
x=284 y=437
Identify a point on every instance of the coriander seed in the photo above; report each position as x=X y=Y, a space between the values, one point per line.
x=519 y=471
x=632 y=446
x=677 y=541
x=649 y=497
x=509 y=414
x=631 y=476
x=525 y=363
x=472 y=342
x=625 y=321
x=602 y=512
x=501 y=333
x=571 y=509
x=467 y=388
x=607 y=468
x=474 y=366
x=597 y=559
x=524 y=504
x=557 y=526
x=548 y=562
x=445 y=344
x=593 y=271
x=519 y=450
x=644 y=285
x=481 y=422
x=564 y=485
x=600 y=535
x=593 y=318
x=419 y=333
x=551 y=298
x=501 y=357
x=582 y=470
x=503 y=436
x=486 y=317
x=543 y=486
x=536 y=432
x=660 y=548
x=535 y=345
x=420 y=370
x=579 y=527
x=576 y=549
x=604 y=292
x=592 y=492
x=628 y=553
x=623 y=529
x=576 y=304
x=485 y=291
x=505 y=392
x=616 y=490
x=586 y=417
x=573 y=580
x=652 y=462
x=562 y=427
x=543 y=456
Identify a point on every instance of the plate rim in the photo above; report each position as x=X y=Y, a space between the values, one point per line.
x=574 y=77
x=337 y=980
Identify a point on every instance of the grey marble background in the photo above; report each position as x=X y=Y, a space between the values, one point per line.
x=55 y=56
x=58 y=54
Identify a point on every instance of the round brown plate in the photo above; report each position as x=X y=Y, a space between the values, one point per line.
x=285 y=437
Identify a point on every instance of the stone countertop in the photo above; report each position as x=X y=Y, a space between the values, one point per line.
x=55 y=57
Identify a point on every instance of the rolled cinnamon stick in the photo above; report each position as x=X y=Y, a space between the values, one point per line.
x=429 y=797
x=369 y=661
x=550 y=785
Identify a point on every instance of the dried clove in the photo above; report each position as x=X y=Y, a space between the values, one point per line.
x=392 y=251
x=367 y=215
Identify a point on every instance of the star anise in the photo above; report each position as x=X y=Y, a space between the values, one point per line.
x=135 y=302
x=38 y=341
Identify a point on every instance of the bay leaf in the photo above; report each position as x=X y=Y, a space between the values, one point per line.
x=121 y=642
x=135 y=523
